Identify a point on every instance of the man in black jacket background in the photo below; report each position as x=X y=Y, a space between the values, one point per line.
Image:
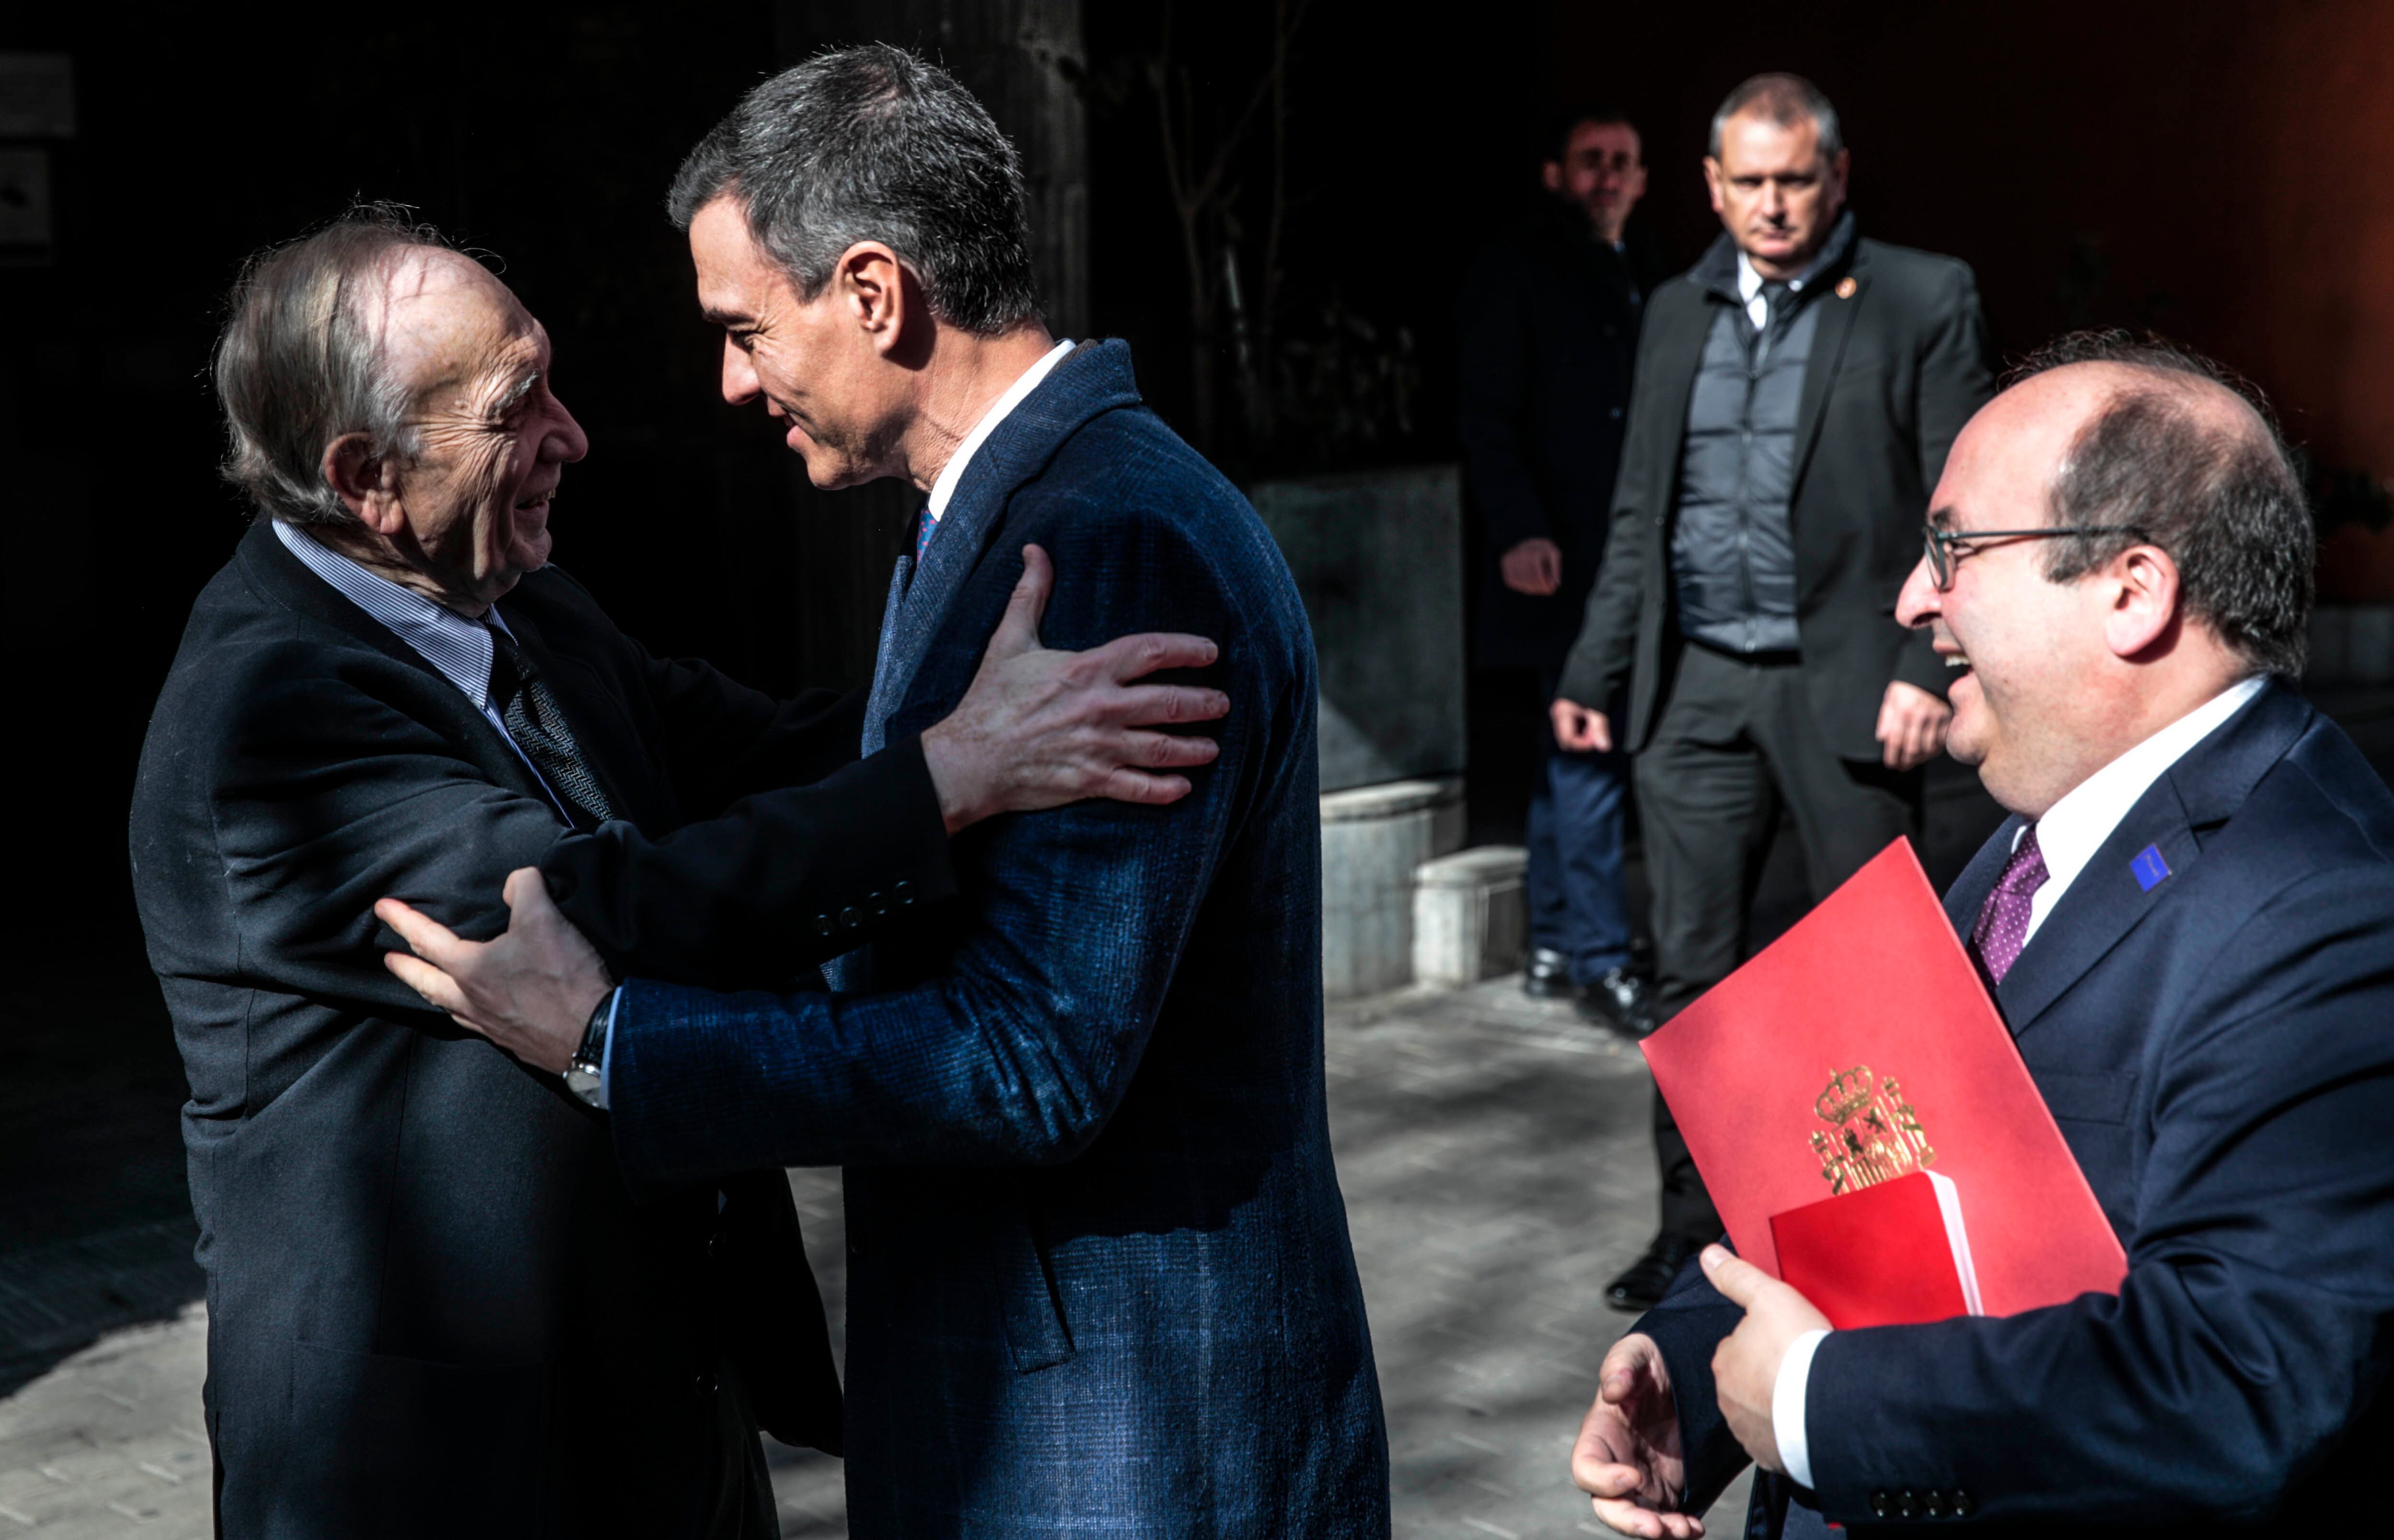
x=433 y=1305
x=1547 y=330
x=1797 y=390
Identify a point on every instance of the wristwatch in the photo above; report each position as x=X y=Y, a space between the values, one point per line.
x=585 y=1074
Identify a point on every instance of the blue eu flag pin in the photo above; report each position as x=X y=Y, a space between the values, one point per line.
x=2149 y=867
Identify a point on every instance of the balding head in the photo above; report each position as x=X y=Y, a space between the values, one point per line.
x=2170 y=444
x=391 y=392
x=2187 y=564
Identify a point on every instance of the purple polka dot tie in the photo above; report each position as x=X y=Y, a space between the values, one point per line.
x=2002 y=929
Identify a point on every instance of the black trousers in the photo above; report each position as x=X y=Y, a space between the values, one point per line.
x=1737 y=743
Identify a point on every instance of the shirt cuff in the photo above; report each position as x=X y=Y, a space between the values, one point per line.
x=1787 y=1405
x=607 y=1054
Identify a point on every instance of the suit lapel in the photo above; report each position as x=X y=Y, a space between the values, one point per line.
x=1968 y=894
x=1838 y=309
x=1093 y=378
x=1672 y=375
x=287 y=580
x=2106 y=901
x=887 y=682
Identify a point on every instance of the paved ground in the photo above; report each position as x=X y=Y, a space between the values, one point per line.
x=1495 y=1160
x=1492 y=1151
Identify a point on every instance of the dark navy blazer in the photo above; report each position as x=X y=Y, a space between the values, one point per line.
x=2219 y=1049
x=1100 y=1275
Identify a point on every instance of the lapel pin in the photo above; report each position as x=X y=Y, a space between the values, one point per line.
x=1846 y=287
x=2149 y=867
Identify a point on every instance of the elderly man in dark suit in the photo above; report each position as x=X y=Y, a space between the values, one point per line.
x=1796 y=393
x=1547 y=330
x=1101 y=1276
x=2185 y=925
x=434 y=1306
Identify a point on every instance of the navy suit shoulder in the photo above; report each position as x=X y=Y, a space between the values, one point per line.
x=2213 y=1045
x=1081 y=1114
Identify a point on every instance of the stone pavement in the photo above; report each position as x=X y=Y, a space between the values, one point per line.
x=1493 y=1153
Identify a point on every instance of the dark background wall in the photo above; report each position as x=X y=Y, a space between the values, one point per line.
x=2214 y=169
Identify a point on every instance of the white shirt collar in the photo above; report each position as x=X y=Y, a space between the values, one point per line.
x=944 y=486
x=459 y=648
x=2075 y=827
x=1749 y=282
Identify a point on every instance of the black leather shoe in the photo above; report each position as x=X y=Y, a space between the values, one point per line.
x=1642 y=1288
x=1549 y=976
x=1620 y=1000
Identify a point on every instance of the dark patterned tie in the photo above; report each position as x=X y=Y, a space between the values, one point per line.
x=924 y=525
x=539 y=729
x=2002 y=929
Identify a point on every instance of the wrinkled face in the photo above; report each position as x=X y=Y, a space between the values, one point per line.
x=1775 y=193
x=812 y=361
x=2022 y=648
x=493 y=440
x=1603 y=172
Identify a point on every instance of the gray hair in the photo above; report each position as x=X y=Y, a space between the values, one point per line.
x=871 y=143
x=298 y=365
x=2228 y=505
x=1785 y=99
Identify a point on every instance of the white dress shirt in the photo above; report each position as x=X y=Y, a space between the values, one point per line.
x=2067 y=837
x=1749 y=288
x=944 y=486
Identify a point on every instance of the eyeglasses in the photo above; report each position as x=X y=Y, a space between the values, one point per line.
x=1943 y=552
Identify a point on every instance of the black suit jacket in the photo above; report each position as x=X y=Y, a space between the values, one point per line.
x=2219 y=1049
x=1897 y=365
x=433 y=1308
x=1546 y=332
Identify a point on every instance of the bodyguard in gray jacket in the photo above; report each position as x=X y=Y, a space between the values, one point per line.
x=1796 y=393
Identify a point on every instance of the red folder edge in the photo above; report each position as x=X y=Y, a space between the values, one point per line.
x=1875 y=976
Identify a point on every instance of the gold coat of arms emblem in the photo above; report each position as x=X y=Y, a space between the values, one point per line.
x=1873 y=1135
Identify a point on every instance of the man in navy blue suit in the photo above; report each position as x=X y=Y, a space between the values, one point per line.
x=2188 y=926
x=1099 y=1271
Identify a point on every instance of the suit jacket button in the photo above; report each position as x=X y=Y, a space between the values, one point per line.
x=1934 y=1502
x=879 y=904
x=1615 y=414
x=704 y=1385
x=1907 y=1505
x=822 y=924
x=718 y=1244
x=850 y=917
x=1963 y=1504
x=1880 y=1506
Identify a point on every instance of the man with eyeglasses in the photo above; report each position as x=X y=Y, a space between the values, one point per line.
x=1796 y=393
x=2184 y=926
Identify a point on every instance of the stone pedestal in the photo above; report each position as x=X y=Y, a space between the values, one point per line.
x=1471 y=917
x=1378 y=559
x=1373 y=840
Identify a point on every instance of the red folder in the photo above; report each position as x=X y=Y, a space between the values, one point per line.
x=1862 y=1046
x=1891 y=1254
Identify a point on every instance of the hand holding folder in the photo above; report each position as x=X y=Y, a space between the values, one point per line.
x=1858 y=1050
